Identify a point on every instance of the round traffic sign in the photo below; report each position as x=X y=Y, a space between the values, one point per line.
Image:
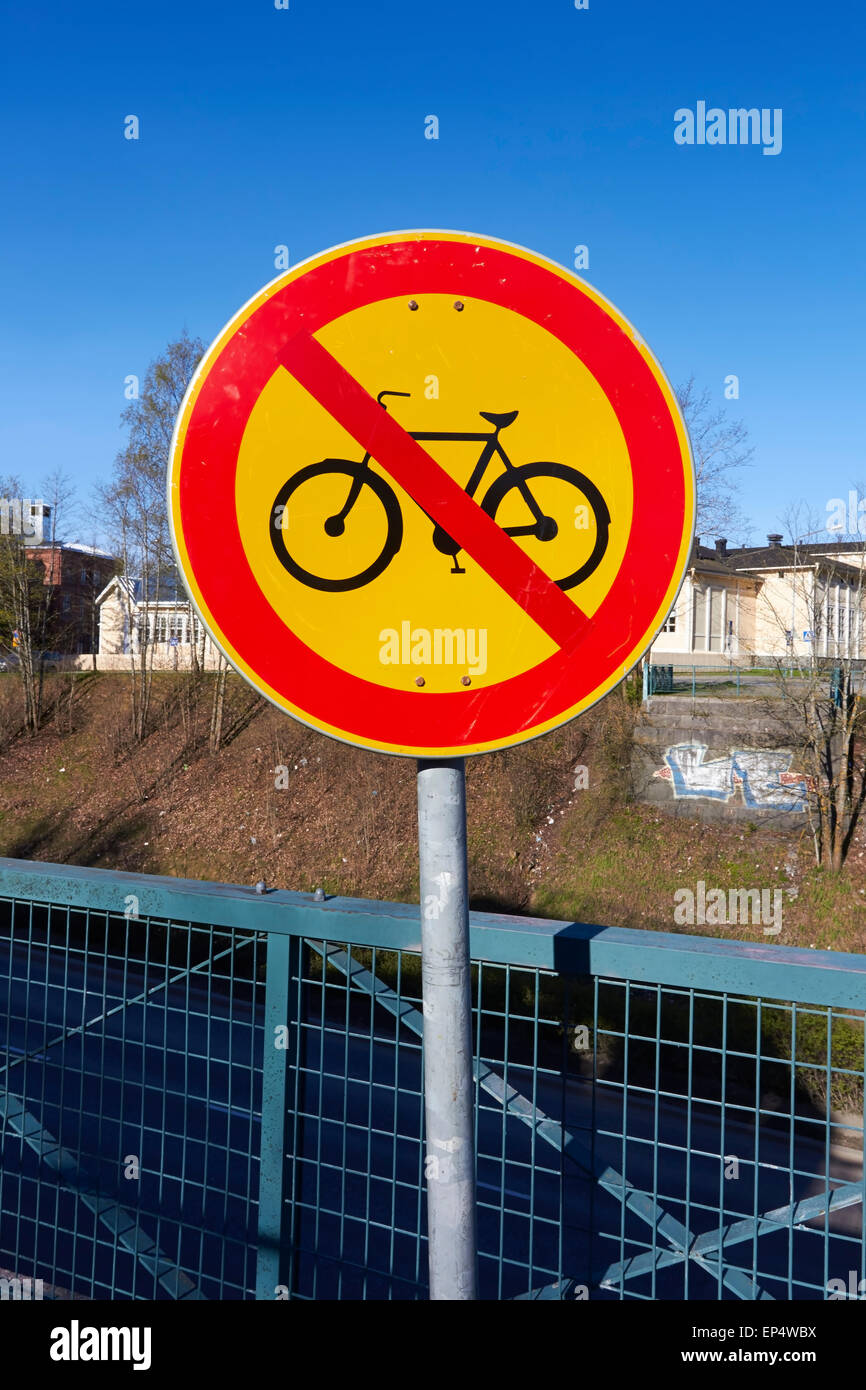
x=431 y=493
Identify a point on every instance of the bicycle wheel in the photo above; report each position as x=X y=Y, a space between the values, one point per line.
x=320 y=526
x=515 y=478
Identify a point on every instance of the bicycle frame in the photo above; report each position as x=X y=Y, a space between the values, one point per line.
x=493 y=447
x=513 y=480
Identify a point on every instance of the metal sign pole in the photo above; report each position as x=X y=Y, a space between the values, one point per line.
x=449 y=1163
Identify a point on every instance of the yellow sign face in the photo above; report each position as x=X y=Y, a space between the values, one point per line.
x=434 y=462
x=442 y=361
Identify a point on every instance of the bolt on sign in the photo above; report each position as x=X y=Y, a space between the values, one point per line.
x=431 y=493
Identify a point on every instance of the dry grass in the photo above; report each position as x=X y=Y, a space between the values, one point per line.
x=84 y=792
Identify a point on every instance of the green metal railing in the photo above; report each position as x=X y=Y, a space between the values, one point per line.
x=211 y=1093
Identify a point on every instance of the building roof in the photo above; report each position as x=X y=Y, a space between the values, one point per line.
x=77 y=547
x=89 y=550
x=708 y=562
x=777 y=556
x=167 y=590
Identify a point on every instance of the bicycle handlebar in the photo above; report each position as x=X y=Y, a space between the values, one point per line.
x=390 y=393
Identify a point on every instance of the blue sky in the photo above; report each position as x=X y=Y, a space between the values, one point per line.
x=306 y=127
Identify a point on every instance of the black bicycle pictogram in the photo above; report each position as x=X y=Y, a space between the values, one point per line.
x=515 y=477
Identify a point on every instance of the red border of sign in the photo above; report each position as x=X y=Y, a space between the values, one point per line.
x=245 y=619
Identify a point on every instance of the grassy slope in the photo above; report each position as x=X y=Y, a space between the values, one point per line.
x=82 y=792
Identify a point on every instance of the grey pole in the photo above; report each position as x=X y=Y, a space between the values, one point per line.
x=449 y=1156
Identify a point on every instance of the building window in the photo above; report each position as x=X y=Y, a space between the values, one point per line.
x=670 y=623
x=161 y=628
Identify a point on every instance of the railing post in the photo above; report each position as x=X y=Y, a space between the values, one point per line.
x=279 y=1040
x=449 y=1092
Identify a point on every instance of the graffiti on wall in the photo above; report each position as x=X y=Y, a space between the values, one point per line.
x=762 y=776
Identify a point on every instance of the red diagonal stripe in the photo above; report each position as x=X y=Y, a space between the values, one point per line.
x=431 y=487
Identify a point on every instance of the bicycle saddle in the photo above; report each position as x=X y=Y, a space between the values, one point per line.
x=499 y=420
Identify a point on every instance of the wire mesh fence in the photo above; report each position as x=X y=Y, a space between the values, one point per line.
x=757 y=681
x=219 y=1096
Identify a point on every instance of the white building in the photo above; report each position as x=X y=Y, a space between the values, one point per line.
x=164 y=621
x=759 y=603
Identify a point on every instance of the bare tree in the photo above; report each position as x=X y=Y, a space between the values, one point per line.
x=720 y=448
x=30 y=572
x=140 y=576
x=818 y=703
x=94 y=580
x=218 y=706
x=136 y=509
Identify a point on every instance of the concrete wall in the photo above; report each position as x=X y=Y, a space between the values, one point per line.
x=113 y=625
x=684 y=647
x=786 y=604
x=675 y=642
x=718 y=759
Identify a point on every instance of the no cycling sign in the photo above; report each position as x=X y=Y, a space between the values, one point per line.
x=431 y=493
